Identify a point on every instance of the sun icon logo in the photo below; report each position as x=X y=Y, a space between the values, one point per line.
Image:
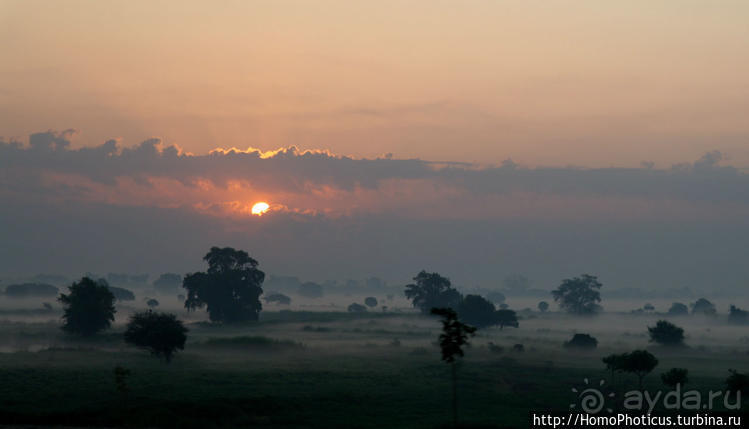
x=591 y=399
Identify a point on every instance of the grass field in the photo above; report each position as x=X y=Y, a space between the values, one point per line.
x=323 y=369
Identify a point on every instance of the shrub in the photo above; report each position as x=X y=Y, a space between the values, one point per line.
x=581 y=341
x=666 y=333
x=356 y=308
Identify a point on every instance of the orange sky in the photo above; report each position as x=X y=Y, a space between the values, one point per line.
x=547 y=83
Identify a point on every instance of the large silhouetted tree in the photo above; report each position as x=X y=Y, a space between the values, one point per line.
x=579 y=295
x=160 y=333
x=431 y=290
x=230 y=289
x=89 y=307
x=452 y=339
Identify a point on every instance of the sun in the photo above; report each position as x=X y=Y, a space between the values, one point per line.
x=260 y=208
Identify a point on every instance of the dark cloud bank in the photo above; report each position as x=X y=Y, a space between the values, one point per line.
x=47 y=228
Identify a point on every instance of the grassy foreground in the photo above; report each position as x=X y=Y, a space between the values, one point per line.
x=289 y=372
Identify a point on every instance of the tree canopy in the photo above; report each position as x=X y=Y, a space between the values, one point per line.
x=160 y=333
x=431 y=290
x=666 y=333
x=230 y=289
x=579 y=295
x=89 y=307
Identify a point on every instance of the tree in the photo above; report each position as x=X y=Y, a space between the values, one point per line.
x=370 y=301
x=230 y=289
x=703 y=306
x=310 y=290
x=278 y=298
x=675 y=377
x=477 y=311
x=640 y=363
x=452 y=339
x=581 y=342
x=27 y=290
x=89 y=307
x=122 y=294
x=738 y=316
x=543 y=306
x=579 y=295
x=160 y=333
x=517 y=284
x=431 y=290
x=648 y=307
x=152 y=303
x=167 y=283
x=506 y=317
x=666 y=333
x=357 y=308
x=614 y=363
x=678 y=309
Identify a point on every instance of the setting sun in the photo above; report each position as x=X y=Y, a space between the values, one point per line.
x=260 y=208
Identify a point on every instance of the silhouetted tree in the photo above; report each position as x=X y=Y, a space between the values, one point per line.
x=614 y=363
x=543 y=306
x=703 y=306
x=579 y=295
x=26 y=290
x=230 y=289
x=167 y=283
x=648 y=307
x=640 y=363
x=506 y=317
x=582 y=342
x=452 y=339
x=477 y=311
x=675 y=377
x=517 y=283
x=278 y=298
x=160 y=333
x=738 y=316
x=121 y=294
x=152 y=303
x=370 y=301
x=89 y=307
x=431 y=290
x=678 y=309
x=310 y=290
x=666 y=333
x=356 y=308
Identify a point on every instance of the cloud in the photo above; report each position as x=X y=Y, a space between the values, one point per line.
x=154 y=207
x=318 y=181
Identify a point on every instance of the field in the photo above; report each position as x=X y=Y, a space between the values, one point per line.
x=299 y=368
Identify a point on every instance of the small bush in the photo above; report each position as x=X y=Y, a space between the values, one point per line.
x=581 y=342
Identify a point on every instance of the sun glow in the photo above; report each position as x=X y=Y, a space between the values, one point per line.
x=260 y=208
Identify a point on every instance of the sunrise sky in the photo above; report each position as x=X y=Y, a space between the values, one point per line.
x=380 y=134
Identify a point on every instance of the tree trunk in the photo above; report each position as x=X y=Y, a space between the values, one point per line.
x=455 y=395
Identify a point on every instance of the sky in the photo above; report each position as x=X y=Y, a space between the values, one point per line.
x=479 y=138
